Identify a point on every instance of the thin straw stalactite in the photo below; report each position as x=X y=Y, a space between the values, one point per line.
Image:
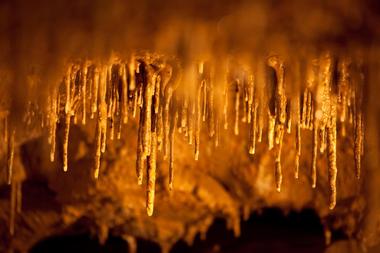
x=10 y=155
x=68 y=84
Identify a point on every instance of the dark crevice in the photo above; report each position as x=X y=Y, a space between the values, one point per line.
x=269 y=231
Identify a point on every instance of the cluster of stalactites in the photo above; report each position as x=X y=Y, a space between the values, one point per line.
x=169 y=97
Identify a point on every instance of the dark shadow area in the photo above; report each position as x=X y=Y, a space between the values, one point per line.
x=79 y=244
x=270 y=231
x=83 y=243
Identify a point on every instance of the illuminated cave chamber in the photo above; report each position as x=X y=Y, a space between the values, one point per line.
x=152 y=122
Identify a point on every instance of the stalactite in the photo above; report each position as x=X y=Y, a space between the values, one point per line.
x=198 y=121
x=84 y=91
x=102 y=107
x=304 y=108
x=11 y=146
x=112 y=82
x=331 y=146
x=309 y=113
x=53 y=119
x=210 y=106
x=95 y=88
x=98 y=145
x=244 y=97
x=147 y=109
x=134 y=103
x=204 y=104
x=315 y=154
x=343 y=87
x=278 y=169
x=140 y=159
x=140 y=98
x=251 y=90
x=280 y=97
x=101 y=125
x=124 y=93
x=358 y=122
x=173 y=125
x=160 y=129
x=358 y=142
x=151 y=173
x=68 y=84
x=157 y=94
x=288 y=117
x=276 y=124
x=260 y=122
x=225 y=103
x=132 y=72
x=184 y=112
x=271 y=128
x=298 y=135
x=253 y=129
x=237 y=106
x=217 y=132
x=322 y=137
x=168 y=92
x=190 y=121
